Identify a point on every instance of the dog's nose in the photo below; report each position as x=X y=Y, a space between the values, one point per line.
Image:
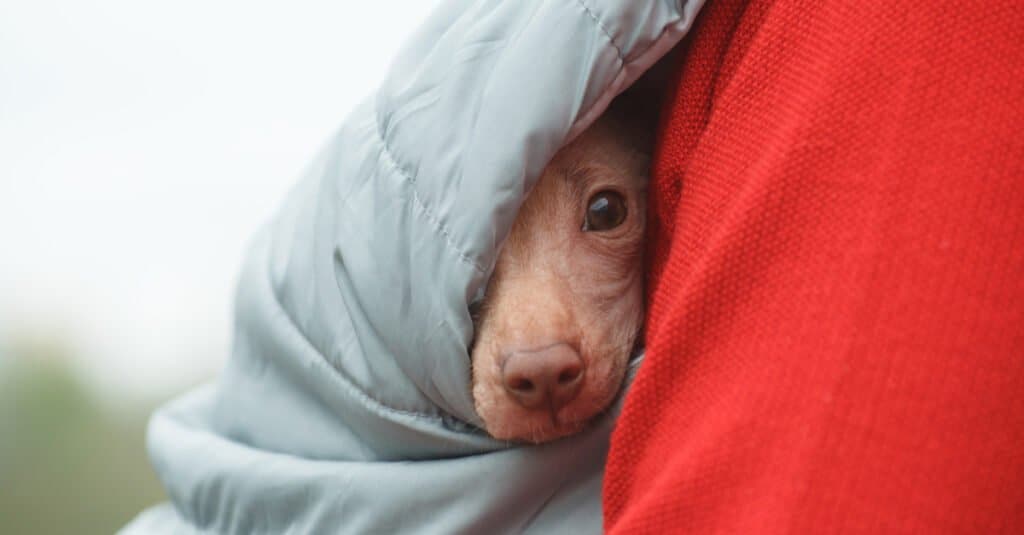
x=547 y=377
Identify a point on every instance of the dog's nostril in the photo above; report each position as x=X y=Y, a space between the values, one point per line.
x=569 y=375
x=522 y=385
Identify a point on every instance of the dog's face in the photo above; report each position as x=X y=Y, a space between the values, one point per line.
x=564 y=305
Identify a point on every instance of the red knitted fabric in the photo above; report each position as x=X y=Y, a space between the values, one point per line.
x=835 y=340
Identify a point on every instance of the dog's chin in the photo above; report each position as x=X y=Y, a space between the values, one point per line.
x=534 y=430
x=505 y=420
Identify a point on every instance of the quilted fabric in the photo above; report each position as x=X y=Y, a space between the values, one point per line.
x=835 y=341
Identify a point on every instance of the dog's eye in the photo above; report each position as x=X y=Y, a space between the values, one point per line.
x=605 y=211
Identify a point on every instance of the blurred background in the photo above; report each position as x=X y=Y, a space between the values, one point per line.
x=141 y=144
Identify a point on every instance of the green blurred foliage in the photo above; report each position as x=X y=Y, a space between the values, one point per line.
x=68 y=464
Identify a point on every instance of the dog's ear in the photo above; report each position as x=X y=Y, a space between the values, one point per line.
x=637 y=108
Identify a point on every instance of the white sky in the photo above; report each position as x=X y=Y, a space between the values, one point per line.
x=141 y=145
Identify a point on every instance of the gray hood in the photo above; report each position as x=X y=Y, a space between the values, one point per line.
x=345 y=406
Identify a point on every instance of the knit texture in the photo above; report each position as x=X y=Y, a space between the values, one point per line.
x=835 y=337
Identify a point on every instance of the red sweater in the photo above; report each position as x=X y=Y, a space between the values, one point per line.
x=835 y=340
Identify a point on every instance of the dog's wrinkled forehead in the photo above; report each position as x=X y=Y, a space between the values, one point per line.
x=628 y=124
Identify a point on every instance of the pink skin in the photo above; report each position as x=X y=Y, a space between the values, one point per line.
x=565 y=304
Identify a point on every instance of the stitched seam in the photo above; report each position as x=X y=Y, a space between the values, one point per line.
x=600 y=26
x=420 y=204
